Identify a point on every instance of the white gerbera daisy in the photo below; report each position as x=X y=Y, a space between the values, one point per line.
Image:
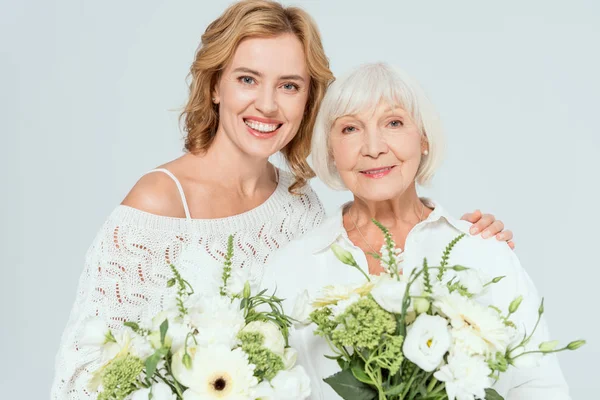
x=475 y=326
x=217 y=372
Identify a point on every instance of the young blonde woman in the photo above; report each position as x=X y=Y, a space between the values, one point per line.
x=257 y=81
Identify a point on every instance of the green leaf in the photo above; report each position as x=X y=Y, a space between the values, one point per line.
x=171 y=282
x=395 y=390
x=359 y=373
x=152 y=362
x=491 y=394
x=132 y=325
x=163 y=331
x=349 y=388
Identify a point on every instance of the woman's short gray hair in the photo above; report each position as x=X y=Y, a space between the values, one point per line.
x=362 y=90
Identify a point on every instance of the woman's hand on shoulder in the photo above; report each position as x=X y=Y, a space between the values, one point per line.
x=488 y=226
x=156 y=193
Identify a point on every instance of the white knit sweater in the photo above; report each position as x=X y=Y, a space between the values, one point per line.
x=127 y=266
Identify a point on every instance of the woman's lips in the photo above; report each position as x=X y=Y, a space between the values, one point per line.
x=377 y=173
x=262 y=128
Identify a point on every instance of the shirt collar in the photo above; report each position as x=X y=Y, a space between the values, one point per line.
x=333 y=227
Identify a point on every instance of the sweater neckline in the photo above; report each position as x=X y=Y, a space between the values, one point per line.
x=225 y=225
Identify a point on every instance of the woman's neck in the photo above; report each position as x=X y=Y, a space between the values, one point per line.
x=226 y=165
x=405 y=210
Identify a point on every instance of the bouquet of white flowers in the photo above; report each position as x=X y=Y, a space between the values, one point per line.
x=421 y=336
x=223 y=346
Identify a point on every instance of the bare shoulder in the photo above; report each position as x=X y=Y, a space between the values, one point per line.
x=156 y=193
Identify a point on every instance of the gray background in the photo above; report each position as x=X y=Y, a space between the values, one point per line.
x=88 y=100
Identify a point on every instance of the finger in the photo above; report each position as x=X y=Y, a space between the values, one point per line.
x=505 y=236
x=472 y=217
x=484 y=224
x=511 y=244
x=495 y=228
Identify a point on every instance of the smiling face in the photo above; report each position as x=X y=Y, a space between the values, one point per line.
x=262 y=94
x=377 y=152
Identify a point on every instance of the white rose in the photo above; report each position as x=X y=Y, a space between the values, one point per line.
x=160 y=391
x=290 y=355
x=389 y=293
x=273 y=338
x=291 y=385
x=302 y=309
x=427 y=341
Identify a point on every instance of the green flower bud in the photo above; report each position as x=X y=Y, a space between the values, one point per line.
x=109 y=337
x=575 y=345
x=459 y=268
x=498 y=279
x=514 y=305
x=187 y=361
x=247 y=291
x=343 y=255
x=171 y=282
x=548 y=346
x=541 y=309
x=421 y=305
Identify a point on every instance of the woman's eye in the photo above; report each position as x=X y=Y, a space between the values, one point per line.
x=290 y=86
x=248 y=80
x=349 y=129
x=396 y=123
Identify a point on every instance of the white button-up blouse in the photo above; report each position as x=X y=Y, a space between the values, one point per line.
x=309 y=264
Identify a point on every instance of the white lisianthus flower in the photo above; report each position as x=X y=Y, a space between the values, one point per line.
x=176 y=333
x=342 y=305
x=237 y=280
x=480 y=321
x=293 y=384
x=218 y=320
x=302 y=309
x=525 y=361
x=140 y=347
x=160 y=391
x=95 y=333
x=466 y=377
x=263 y=391
x=290 y=355
x=216 y=372
x=427 y=341
x=273 y=338
x=389 y=293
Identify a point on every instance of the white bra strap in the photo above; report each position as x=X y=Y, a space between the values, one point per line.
x=179 y=187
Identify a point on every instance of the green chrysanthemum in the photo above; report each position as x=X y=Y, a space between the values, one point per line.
x=322 y=317
x=267 y=363
x=120 y=377
x=390 y=354
x=362 y=325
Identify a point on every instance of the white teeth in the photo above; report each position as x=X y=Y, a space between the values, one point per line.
x=377 y=171
x=259 y=126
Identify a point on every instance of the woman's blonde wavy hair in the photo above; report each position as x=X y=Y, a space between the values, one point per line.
x=246 y=19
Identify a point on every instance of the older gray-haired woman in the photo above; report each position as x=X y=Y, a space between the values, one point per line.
x=379 y=136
